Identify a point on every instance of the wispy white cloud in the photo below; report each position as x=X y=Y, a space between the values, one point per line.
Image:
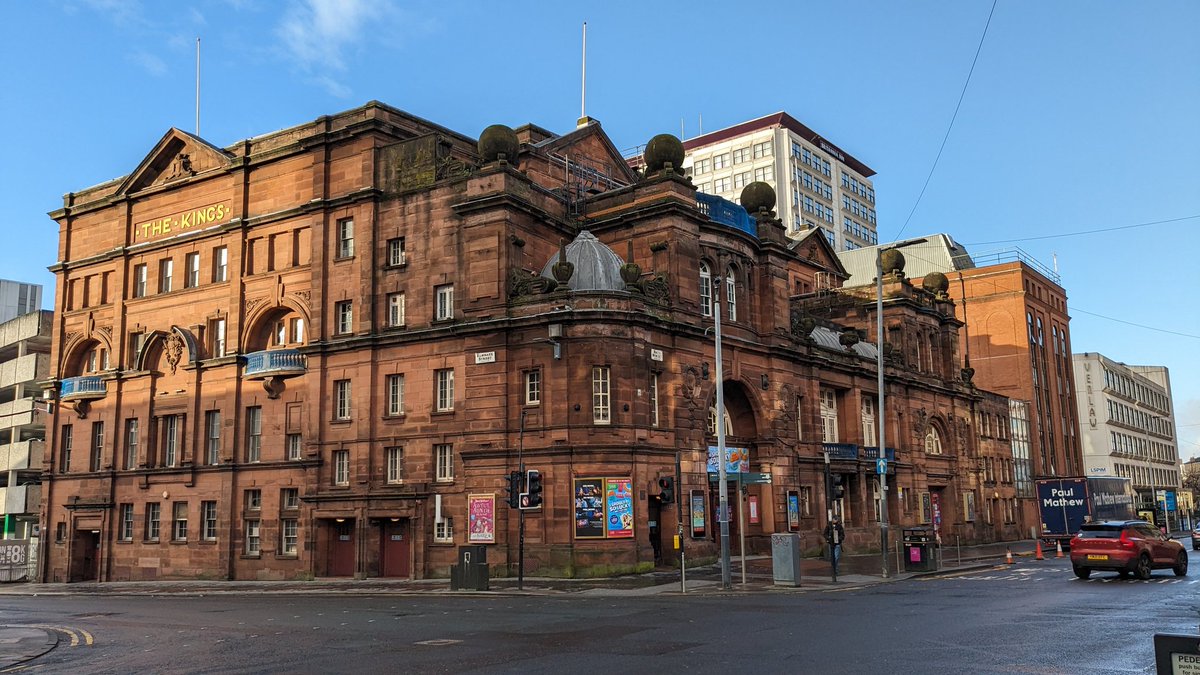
x=121 y=12
x=149 y=62
x=315 y=32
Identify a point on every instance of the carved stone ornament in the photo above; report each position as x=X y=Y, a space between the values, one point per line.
x=174 y=350
x=848 y=338
x=181 y=167
x=656 y=289
x=968 y=375
x=920 y=419
x=802 y=326
x=563 y=269
x=691 y=383
x=522 y=282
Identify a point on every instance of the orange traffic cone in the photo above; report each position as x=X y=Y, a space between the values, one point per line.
x=1008 y=556
x=1039 y=555
x=1059 y=545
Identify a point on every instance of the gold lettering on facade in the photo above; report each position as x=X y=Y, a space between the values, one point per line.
x=205 y=215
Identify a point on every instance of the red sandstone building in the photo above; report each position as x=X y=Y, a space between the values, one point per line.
x=320 y=352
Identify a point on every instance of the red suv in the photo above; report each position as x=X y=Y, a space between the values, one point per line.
x=1126 y=546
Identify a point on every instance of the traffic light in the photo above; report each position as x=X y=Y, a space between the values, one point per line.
x=666 y=489
x=533 y=486
x=839 y=486
x=514 y=489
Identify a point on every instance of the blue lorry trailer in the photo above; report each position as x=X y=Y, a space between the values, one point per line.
x=1065 y=504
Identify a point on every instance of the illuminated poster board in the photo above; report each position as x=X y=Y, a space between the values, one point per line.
x=698 y=531
x=481 y=514
x=618 y=500
x=589 y=508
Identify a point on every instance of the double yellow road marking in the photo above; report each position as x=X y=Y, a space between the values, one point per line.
x=76 y=635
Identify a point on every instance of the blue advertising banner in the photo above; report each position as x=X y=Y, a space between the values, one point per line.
x=737 y=460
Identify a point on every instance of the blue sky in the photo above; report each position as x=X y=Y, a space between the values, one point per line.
x=1079 y=116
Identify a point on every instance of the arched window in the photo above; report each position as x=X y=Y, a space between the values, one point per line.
x=712 y=422
x=731 y=292
x=705 y=290
x=933 y=442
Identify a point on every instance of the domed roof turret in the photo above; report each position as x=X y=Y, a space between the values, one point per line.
x=596 y=267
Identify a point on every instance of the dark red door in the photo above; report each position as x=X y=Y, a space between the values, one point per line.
x=341 y=549
x=393 y=552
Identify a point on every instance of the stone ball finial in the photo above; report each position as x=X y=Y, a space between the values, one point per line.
x=893 y=261
x=498 y=140
x=936 y=283
x=758 y=196
x=661 y=149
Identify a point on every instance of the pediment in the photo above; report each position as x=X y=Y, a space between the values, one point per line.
x=596 y=146
x=813 y=248
x=178 y=156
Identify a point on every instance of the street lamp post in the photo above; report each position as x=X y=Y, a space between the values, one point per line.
x=882 y=441
x=722 y=485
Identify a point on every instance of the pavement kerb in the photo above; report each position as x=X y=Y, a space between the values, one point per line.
x=51 y=643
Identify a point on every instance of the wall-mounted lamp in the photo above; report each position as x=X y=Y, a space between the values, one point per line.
x=766 y=383
x=704 y=370
x=340 y=520
x=394 y=520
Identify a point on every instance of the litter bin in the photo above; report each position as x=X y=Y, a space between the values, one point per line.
x=471 y=572
x=920 y=549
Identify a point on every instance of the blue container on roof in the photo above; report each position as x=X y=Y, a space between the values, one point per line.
x=727 y=213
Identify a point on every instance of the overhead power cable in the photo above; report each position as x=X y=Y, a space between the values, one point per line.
x=1138 y=325
x=1077 y=234
x=953 y=117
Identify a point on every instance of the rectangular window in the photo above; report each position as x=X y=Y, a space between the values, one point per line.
x=253 y=537
x=139 y=281
x=720 y=161
x=341 y=467
x=220 y=264
x=166 y=274
x=344 y=311
x=444 y=390
x=179 y=530
x=170 y=440
x=721 y=185
x=253 y=433
x=868 y=421
x=741 y=180
x=293 y=443
x=395 y=395
x=443 y=532
x=296 y=330
x=805 y=500
x=829 y=416
x=741 y=155
x=217 y=344
x=289 y=499
x=192 y=271
x=395 y=309
x=533 y=387
x=445 y=302
x=136 y=341
x=126 y=533
x=968 y=506
x=64 y=456
x=395 y=252
x=341 y=400
x=701 y=166
x=395 y=465
x=601 y=395
x=765 y=173
x=212 y=437
x=252 y=499
x=208 y=521
x=763 y=149
x=288 y=532
x=345 y=235
x=152 y=517
x=131 y=444
x=97 y=446
x=654 y=399
x=444 y=452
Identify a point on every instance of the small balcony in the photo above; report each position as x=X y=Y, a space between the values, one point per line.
x=275 y=363
x=840 y=450
x=83 y=388
x=872 y=453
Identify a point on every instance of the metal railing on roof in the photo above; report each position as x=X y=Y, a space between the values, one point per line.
x=1015 y=254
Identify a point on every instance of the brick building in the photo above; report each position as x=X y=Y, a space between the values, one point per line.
x=320 y=352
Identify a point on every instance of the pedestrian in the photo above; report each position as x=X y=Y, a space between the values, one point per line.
x=834 y=536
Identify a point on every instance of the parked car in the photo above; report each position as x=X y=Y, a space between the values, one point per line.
x=1196 y=538
x=1126 y=547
